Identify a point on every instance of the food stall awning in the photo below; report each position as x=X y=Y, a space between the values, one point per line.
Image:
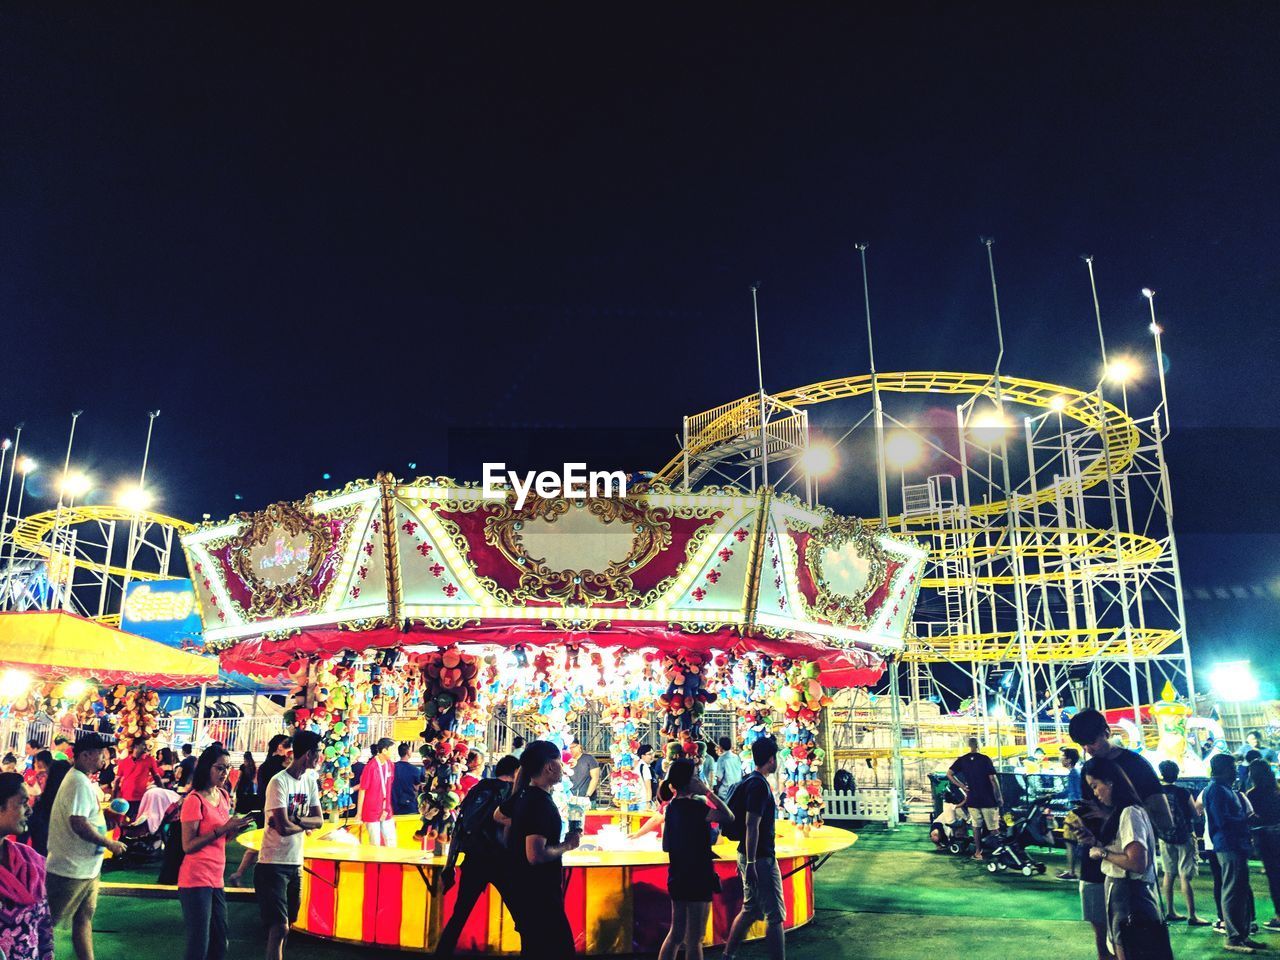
x=63 y=644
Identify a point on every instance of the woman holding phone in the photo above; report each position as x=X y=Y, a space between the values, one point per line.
x=207 y=821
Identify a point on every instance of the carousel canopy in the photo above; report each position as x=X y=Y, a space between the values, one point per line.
x=392 y=564
x=62 y=644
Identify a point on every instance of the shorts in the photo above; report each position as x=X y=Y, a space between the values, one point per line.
x=1129 y=898
x=1178 y=859
x=696 y=885
x=988 y=817
x=380 y=833
x=69 y=897
x=1093 y=903
x=762 y=900
x=279 y=890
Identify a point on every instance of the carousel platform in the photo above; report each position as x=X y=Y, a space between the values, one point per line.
x=615 y=893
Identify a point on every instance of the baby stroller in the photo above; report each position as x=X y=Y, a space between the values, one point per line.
x=143 y=838
x=1007 y=850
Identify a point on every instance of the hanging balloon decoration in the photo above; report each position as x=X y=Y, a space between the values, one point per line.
x=683 y=704
x=800 y=759
x=338 y=704
x=449 y=693
x=139 y=714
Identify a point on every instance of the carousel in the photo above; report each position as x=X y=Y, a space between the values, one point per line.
x=638 y=618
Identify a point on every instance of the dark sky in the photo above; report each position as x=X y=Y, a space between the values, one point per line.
x=319 y=242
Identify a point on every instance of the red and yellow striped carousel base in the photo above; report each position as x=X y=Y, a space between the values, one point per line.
x=616 y=901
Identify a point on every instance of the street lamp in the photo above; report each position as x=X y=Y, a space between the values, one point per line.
x=1233 y=682
x=903 y=449
x=134 y=498
x=990 y=427
x=819 y=460
x=76 y=485
x=1122 y=370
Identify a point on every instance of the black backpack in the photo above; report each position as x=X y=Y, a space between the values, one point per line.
x=476 y=828
x=737 y=830
x=1177 y=829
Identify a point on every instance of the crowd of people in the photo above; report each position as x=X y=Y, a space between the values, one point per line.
x=54 y=835
x=1134 y=838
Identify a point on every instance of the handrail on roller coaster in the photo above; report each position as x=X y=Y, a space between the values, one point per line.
x=732 y=420
x=30 y=532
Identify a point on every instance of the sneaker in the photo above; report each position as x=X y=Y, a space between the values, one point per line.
x=1220 y=927
x=1256 y=945
x=1240 y=948
x=1273 y=923
x=1067 y=875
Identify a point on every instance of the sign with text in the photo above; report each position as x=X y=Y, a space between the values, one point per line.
x=165 y=611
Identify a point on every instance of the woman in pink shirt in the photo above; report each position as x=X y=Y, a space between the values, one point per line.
x=375 y=796
x=206 y=824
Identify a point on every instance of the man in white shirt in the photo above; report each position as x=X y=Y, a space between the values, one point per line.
x=291 y=807
x=728 y=769
x=77 y=838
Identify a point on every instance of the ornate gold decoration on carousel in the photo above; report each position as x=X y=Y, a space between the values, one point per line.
x=280 y=552
x=442 y=623
x=565 y=625
x=368 y=623
x=615 y=537
x=847 y=564
x=702 y=626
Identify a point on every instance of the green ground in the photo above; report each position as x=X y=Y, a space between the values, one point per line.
x=888 y=897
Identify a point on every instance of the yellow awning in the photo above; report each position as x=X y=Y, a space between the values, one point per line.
x=62 y=644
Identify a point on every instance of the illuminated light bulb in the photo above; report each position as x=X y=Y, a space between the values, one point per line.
x=1058 y=404
x=76 y=485
x=1148 y=292
x=27 y=465
x=903 y=448
x=6 y=443
x=989 y=427
x=1122 y=370
x=75 y=689
x=134 y=498
x=1155 y=328
x=14 y=683
x=819 y=460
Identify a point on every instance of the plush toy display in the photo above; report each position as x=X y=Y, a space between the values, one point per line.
x=800 y=758
x=449 y=693
x=684 y=703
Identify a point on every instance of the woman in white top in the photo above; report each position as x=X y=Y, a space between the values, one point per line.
x=1126 y=848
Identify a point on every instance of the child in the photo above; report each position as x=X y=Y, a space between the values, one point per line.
x=687 y=840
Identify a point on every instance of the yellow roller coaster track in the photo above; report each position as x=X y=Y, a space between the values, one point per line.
x=1043 y=646
x=742 y=417
x=30 y=533
x=1072 y=552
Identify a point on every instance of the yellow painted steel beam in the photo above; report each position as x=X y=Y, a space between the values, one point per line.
x=733 y=420
x=31 y=532
x=1043 y=646
x=1081 y=550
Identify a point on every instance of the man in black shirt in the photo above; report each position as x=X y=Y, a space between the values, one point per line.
x=757 y=864
x=975 y=774
x=478 y=837
x=1090 y=729
x=186 y=769
x=533 y=839
x=585 y=777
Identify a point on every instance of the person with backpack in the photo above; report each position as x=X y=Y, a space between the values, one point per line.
x=1125 y=849
x=478 y=837
x=691 y=875
x=207 y=821
x=1178 y=846
x=754 y=810
x=1227 y=817
x=534 y=830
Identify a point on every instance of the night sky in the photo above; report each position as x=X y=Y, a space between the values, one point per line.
x=347 y=243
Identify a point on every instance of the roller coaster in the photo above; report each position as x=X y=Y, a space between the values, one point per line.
x=1057 y=589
